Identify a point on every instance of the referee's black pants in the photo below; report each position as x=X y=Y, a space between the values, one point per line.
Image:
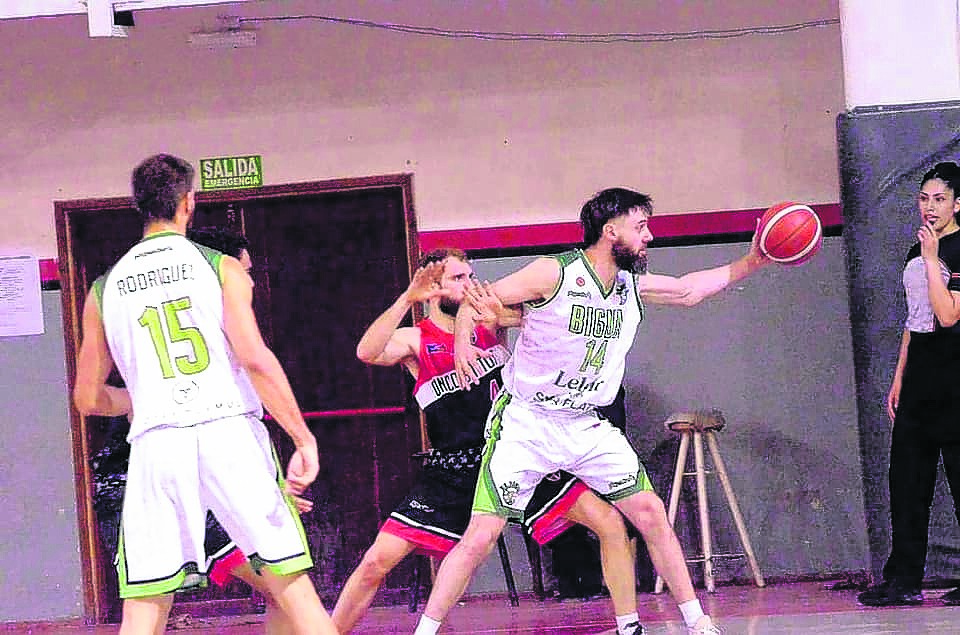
x=914 y=456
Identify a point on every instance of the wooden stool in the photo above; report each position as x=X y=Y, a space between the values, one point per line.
x=699 y=425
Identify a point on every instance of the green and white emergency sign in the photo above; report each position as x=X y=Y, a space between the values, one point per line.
x=227 y=173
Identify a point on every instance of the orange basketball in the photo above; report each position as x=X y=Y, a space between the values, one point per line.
x=790 y=233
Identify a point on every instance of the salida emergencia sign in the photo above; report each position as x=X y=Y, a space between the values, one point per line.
x=227 y=173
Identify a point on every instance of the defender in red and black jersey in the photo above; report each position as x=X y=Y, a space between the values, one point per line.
x=434 y=515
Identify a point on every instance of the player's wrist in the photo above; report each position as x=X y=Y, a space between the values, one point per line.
x=305 y=440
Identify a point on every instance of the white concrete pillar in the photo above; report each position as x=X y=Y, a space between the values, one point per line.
x=900 y=51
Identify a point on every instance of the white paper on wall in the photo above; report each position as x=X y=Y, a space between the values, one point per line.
x=21 y=312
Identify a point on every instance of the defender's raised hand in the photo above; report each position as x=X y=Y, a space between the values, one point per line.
x=425 y=283
x=487 y=305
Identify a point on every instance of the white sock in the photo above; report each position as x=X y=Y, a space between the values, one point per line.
x=632 y=620
x=427 y=626
x=691 y=611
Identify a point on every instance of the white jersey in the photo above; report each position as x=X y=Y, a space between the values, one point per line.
x=162 y=312
x=572 y=347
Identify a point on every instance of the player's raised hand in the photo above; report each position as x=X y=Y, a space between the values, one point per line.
x=487 y=305
x=425 y=283
x=466 y=362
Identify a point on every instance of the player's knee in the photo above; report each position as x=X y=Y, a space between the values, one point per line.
x=479 y=539
x=375 y=565
x=601 y=518
x=609 y=525
x=647 y=512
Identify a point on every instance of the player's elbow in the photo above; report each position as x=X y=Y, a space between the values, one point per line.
x=949 y=320
x=254 y=359
x=85 y=400
x=690 y=297
x=366 y=355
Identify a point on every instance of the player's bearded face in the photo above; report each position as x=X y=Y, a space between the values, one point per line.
x=449 y=306
x=628 y=258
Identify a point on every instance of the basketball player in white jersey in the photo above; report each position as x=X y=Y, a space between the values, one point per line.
x=176 y=319
x=435 y=512
x=581 y=311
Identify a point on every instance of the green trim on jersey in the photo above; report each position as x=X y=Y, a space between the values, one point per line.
x=161 y=233
x=98 y=286
x=295 y=564
x=636 y=293
x=604 y=293
x=214 y=259
x=486 y=499
x=563 y=259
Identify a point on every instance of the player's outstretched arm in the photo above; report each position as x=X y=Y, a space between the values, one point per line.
x=383 y=343
x=91 y=394
x=693 y=288
x=265 y=372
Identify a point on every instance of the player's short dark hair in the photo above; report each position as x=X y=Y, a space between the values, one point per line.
x=159 y=183
x=220 y=238
x=946 y=171
x=607 y=205
x=442 y=253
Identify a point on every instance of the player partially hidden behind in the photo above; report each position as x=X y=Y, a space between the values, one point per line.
x=177 y=321
x=434 y=514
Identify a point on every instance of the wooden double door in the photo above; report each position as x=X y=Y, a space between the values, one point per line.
x=328 y=258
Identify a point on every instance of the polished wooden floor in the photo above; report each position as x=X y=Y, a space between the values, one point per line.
x=799 y=608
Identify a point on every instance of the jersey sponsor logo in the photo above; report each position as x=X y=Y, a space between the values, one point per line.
x=433 y=349
x=579 y=294
x=447 y=383
x=150 y=252
x=579 y=383
x=185 y=391
x=626 y=481
x=595 y=322
x=415 y=504
x=581 y=281
x=561 y=401
x=621 y=292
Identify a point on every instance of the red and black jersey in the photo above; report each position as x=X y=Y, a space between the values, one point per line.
x=455 y=417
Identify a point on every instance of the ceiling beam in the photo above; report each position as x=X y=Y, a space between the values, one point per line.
x=11 y=9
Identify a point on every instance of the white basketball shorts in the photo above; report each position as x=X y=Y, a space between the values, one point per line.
x=526 y=444
x=175 y=476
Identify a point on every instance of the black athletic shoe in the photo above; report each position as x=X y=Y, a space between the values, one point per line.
x=890 y=594
x=633 y=628
x=952 y=598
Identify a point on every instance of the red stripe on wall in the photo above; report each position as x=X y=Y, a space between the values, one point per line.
x=49 y=271
x=666 y=226
x=518 y=236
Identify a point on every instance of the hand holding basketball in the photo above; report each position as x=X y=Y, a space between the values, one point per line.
x=790 y=233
